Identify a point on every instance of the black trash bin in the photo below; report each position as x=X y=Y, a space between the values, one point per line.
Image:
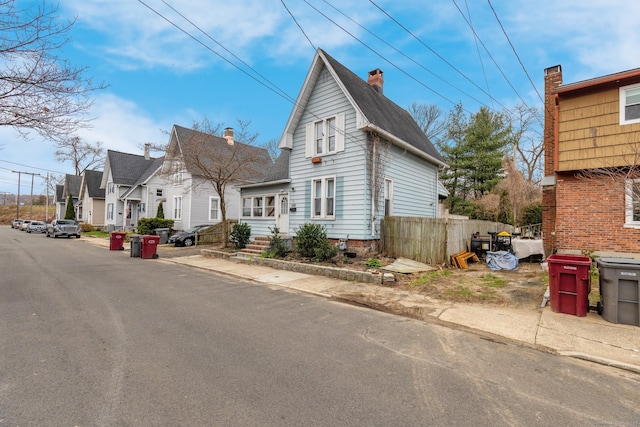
x=619 y=290
x=136 y=246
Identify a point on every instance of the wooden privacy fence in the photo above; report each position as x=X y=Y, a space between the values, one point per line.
x=431 y=240
x=215 y=234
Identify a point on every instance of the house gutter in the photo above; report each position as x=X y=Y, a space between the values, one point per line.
x=556 y=132
x=264 y=184
x=404 y=145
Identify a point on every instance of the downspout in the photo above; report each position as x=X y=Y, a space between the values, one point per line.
x=373 y=186
x=556 y=132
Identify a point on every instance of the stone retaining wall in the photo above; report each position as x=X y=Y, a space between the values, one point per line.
x=315 y=270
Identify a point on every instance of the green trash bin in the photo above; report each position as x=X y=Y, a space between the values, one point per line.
x=619 y=290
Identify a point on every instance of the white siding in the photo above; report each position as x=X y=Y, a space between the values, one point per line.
x=260 y=226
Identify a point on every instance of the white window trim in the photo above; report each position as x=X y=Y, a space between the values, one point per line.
x=339 y=134
x=323 y=201
x=217 y=199
x=628 y=205
x=262 y=206
x=388 y=187
x=623 y=104
x=177 y=208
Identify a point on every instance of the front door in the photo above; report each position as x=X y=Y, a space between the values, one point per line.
x=282 y=221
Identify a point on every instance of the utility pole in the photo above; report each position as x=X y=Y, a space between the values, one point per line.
x=18 y=196
x=18 y=200
x=4 y=202
x=46 y=203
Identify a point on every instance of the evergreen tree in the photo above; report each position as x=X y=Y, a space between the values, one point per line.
x=70 y=213
x=160 y=213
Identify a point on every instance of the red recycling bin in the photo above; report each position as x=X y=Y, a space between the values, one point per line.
x=116 y=241
x=149 y=246
x=569 y=283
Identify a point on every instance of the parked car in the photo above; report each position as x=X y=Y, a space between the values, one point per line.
x=37 y=227
x=63 y=227
x=188 y=236
x=16 y=223
x=25 y=224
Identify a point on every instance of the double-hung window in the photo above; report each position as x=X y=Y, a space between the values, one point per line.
x=325 y=136
x=324 y=196
x=388 y=197
x=142 y=207
x=111 y=188
x=110 y=211
x=214 y=208
x=630 y=104
x=177 y=207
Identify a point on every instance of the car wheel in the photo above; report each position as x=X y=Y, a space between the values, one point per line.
x=188 y=241
x=77 y=236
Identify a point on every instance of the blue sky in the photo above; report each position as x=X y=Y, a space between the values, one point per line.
x=159 y=76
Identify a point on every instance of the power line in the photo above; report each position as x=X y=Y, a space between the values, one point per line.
x=299 y=26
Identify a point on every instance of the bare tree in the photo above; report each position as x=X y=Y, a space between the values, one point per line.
x=430 y=119
x=39 y=91
x=527 y=144
x=82 y=155
x=223 y=161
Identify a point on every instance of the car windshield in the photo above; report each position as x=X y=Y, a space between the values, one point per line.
x=66 y=222
x=193 y=229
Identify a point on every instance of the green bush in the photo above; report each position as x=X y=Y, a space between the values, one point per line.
x=87 y=228
x=160 y=212
x=373 y=263
x=240 y=235
x=312 y=242
x=278 y=248
x=149 y=225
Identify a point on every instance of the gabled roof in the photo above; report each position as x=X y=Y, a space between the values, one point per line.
x=72 y=185
x=146 y=175
x=91 y=184
x=59 y=193
x=377 y=112
x=125 y=168
x=180 y=136
x=280 y=168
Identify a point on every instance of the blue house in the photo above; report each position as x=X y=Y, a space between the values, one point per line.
x=349 y=156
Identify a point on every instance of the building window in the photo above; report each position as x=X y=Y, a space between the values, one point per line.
x=177 y=207
x=323 y=203
x=630 y=104
x=325 y=136
x=142 y=207
x=632 y=202
x=214 y=208
x=110 y=211
x=158 y=192
x=259 y=206
x=177 y=178
x=111 y=188
x=388 y=197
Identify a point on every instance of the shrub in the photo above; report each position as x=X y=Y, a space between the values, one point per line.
x=160 y=212
x=312 y=242
x=240 y=235
x=87 y=227
x=278 y=248
x=149 y=225
x=70 y=213
x=373 y=263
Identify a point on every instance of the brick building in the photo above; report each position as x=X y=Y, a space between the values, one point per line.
x=591 y=188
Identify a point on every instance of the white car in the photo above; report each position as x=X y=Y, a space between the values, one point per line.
x=37 y=227
x=63 y=227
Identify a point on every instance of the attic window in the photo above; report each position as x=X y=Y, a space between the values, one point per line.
x=325 y=136
x=630 y=104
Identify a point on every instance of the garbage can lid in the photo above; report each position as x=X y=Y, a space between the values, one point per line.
x=624 y=262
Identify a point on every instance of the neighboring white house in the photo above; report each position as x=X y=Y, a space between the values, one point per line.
x=349 y=157
x=90 y=207
x=191 y=199
x=130 y=192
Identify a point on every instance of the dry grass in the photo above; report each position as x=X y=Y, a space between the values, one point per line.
x=8 y=213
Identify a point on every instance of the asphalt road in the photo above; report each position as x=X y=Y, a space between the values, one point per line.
x=91 y=337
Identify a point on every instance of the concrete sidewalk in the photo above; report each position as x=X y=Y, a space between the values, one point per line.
x=590 y=338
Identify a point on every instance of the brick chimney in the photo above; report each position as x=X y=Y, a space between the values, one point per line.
x=552 y=80
x=147 y=150
x=376 y=79
x=228 y=135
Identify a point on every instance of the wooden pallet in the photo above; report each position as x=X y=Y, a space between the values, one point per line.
x=459 y=260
